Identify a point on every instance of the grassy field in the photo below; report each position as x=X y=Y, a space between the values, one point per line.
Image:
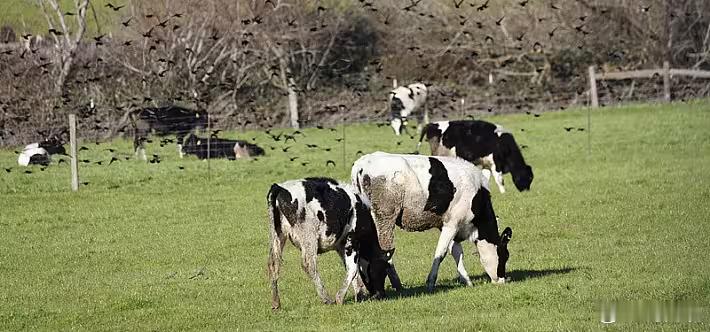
x=25 y=16
x=157 y=247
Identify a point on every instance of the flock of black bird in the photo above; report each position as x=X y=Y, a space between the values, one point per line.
x=171 y=22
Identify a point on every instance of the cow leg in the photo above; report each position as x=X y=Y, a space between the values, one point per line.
x=457 y=252
x=309 y=253
x=274 y=265
x=349 y=257
x=392 y=274
x=422 y=119
x=179 y=139
x=498 y=176
x=447 y=235
x=139 y=147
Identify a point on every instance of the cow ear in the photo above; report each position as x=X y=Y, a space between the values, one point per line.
x=506 y=235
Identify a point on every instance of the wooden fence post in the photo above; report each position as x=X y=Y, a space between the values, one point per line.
x=666 y=81
x=593 y=88
x=209 y=147
x=72 y=151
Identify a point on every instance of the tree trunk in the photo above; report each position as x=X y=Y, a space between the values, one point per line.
x=293 y=103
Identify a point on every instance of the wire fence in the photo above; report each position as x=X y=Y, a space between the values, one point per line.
x=325 y=146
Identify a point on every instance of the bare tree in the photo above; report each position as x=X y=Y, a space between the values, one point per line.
x=67 y=40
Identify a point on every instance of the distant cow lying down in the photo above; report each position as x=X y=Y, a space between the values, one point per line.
x=40 y=153
x=220 y=148
x=319 y=215
x=483 y=143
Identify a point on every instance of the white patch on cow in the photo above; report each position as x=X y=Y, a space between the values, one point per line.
x=396 y=124
x=457 y=253
x=443 y=125
x=500 y=130
x=489 y=258
x=488 y=163
x=419 y=93
x=30 y=150
x=140 y=153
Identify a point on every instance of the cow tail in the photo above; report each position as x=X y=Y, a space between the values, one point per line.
x=274 y=220
x=275 y=236
x=421 y=136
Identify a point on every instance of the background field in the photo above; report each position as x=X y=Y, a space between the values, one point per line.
x=154 y=247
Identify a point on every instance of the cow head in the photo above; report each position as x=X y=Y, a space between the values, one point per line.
x=494 y=256
x=373 y=263
x=374 y=273
x=522 y=177
x=397 y=125
x=54 y=145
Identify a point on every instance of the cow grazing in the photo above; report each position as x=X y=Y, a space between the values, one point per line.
x=220 y=148
x=165 y=121
x=407 y=100
x=418 y=193
x=40 y=153
x=483 y=143
x=319 y=215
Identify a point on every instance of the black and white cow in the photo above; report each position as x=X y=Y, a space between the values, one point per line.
x=418 y=193
x=165 y=120
x=40 y=153
x=319 y=215
x=220 y=148
x=405 y=101
x=483 y=143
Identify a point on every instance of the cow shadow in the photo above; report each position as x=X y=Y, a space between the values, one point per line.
x=446 y=285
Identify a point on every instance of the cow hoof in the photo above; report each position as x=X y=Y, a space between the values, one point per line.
x=328 y=301
x=361 y=297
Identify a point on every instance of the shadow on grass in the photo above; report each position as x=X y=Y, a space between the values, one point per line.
x=448 y=285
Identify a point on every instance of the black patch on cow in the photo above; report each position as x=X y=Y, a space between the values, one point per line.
x=502 y=249
x=398 y=221
x=484 y=218
x=218 y=147
x=372 y=263
x=322 y=179
x=336 y=203
x=431 y=130
x=278 y=194
x=441 y=189
x=396 y=107
x=511 y=161
x=39 y=159
x=320 y=215
x=53 y=145
x=472 y=139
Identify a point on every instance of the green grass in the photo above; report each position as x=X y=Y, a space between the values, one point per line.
x=26 y=16
x=153 y=247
